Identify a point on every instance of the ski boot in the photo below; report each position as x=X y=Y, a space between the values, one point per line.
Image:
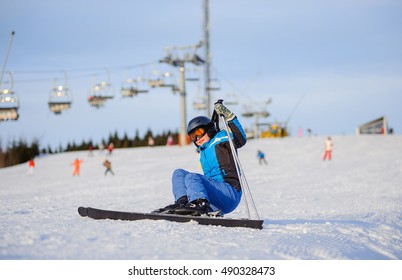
x=194 y=208
x=181 y=202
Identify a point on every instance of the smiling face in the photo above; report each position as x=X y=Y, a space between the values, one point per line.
x=203 y=139
x=199 y=135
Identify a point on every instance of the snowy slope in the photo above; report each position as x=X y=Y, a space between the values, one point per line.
x=349 y=208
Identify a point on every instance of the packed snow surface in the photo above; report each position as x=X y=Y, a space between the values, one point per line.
x=346 y=208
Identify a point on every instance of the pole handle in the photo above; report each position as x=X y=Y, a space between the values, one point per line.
x=215 y=117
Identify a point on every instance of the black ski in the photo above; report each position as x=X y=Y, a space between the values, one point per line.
x=202 y=220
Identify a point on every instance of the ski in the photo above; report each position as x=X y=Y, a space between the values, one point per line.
x=99 y=214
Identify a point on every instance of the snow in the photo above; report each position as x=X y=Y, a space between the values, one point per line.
x=349 y=208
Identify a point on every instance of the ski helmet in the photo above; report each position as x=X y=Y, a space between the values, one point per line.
x=202 y=121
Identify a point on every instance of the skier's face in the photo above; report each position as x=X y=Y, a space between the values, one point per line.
x=197 y=133
x=202 y=140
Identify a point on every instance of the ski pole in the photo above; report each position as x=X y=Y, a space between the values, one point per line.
x=240 y=172
x=239 y=169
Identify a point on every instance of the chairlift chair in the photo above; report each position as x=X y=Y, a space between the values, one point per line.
x=214 y=84
x=99 y=94
x=156 y=80
x=175 y=89
x=247 y=114
x=96 y=101
x=59 y=100
x=60 y=97
x=168 y=80
x=9 y=105
x=9 y=102
x=191 y=77
x=162 y=80
x=8 y=114
x=131 y=88
x=231 y=99
x=200 y=103
x=200 y=100
x=155 y=83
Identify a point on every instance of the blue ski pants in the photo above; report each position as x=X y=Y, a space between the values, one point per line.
x=220 y=195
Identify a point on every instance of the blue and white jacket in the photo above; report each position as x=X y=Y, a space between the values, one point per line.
x=216 y=157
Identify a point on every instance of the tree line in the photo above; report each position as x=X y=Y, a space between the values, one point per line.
x=21 y=151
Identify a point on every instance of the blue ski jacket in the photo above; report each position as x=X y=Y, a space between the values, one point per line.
x=216 y=156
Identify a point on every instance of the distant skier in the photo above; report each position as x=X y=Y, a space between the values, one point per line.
x=31 y=167
x=77 y=166
x=328 y=149
x=110 y=149
x=300 y=132
x=151 y=141
x=261 y=157
x=108 y=166
x=170 y=141
x=219 y=187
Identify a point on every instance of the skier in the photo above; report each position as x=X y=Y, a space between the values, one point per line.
x=261 y=157
x=170 y=141
x=110 y=149
x=328 y=149
x=31 y=167
x=108 y=166
x=77 y=164
x=219 y=188
x=151 y=141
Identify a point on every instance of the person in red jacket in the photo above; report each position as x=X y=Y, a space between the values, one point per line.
x=110 y=149
x=31 y=166
x=328 y=149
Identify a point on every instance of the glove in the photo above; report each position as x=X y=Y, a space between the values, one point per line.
x=223 y=111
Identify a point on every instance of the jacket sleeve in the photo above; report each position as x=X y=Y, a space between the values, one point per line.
x=238 y=134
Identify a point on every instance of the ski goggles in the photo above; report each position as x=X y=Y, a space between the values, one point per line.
x=197 y=133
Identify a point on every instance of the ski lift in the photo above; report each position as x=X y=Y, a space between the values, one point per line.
x=97 y=101
x=155 y=83
x=156 y=80
x=175 y=89
x=194 y=58
x=168 y=80
x=100 y=93
x=200 y=100
x=131 y=88
x=231 y=99
x=59 y=100
x=165 y=80
x=193 y=75
x=9 y=102
x=9 y=105
x=214 y=84
x=251 y=111
x=200 y=104
x=60 y=97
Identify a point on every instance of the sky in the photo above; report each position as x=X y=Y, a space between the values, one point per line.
x=328 y=66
